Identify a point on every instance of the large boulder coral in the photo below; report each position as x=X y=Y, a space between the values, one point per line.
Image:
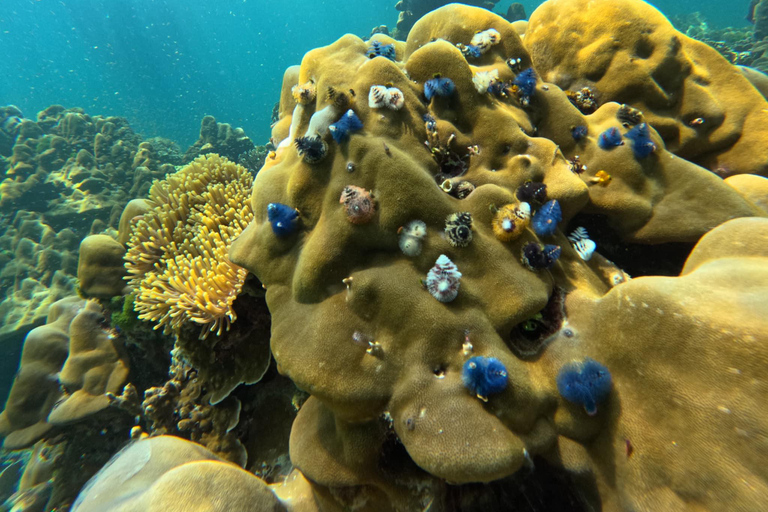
x=67 y=368
x=354 y=322
x=36 y=389
x=704 y=109
x=689 y=372
x=170 y=474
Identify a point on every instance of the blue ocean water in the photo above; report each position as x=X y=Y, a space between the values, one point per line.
x=166 y=64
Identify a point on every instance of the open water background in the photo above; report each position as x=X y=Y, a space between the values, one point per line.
x=164 y=64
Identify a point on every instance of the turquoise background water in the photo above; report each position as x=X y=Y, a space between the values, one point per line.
x=166 y=64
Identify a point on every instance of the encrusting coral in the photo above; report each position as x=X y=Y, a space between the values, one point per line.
x=353 y=326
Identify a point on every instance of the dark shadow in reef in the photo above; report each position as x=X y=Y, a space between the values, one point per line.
x=635 y=259
x=543 y=488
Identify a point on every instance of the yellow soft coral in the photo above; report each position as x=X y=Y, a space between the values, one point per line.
x=177 y=253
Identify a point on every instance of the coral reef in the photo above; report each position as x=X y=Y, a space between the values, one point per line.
x=37 y=268
x=179 y=408
x=429 y=247
x=77 y=168
x=388 y=368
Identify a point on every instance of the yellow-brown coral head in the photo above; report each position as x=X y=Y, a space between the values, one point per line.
x=178 y=251
x=510 y=221
x=359 y=204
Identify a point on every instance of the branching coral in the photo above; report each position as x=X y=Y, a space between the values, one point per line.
x=177 y=253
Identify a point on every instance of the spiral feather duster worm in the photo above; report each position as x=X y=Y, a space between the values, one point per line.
x=587 y=383
x=610 y=138
x=282 y=218
x=484 y=376
x=545 y=219
x=359 y=204
x=438 y=86
x=443 y=279
x=642 y=145
x=348 y=123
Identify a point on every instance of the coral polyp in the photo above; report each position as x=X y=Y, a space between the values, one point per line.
x=510 y=221
x=546 y=218
x=484 y=376
x=282 y=218
x=586 y=383
x=443 y=279
x=359 y=204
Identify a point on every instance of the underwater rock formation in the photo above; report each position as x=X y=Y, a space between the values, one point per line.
x=382 y=360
